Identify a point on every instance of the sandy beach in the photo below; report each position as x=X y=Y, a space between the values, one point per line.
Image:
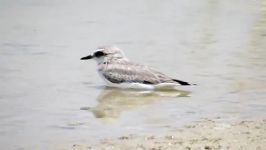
x=205 y=134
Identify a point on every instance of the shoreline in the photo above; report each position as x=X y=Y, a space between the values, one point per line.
x=204 y=134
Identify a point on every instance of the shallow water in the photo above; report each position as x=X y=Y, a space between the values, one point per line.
x=49 y=97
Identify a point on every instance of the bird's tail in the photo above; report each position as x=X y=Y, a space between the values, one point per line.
x=183 y=82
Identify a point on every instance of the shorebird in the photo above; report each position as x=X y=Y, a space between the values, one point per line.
x=118 y=71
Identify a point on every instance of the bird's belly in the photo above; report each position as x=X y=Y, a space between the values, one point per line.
x=134 y=86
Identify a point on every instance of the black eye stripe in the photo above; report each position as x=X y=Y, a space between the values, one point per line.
x=99 y=54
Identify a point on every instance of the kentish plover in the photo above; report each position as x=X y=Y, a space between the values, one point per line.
x=118 y=71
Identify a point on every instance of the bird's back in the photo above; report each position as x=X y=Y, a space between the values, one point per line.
x=126 y=71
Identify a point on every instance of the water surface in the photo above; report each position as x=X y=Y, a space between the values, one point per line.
x=49 y=97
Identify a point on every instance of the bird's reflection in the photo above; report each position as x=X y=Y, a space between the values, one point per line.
x=112 y=101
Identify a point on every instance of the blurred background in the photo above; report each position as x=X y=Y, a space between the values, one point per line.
x=48 y=97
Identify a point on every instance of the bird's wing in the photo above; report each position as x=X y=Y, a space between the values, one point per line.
x=134 y=73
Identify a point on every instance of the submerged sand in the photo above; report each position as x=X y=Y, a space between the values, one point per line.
x=205 y=134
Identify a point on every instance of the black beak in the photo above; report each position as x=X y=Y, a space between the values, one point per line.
x=87 y=57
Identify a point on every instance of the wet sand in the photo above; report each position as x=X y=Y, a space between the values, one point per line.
x=204 y=134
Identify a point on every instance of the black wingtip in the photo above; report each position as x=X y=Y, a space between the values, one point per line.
x=183 y=82
x=147 y=82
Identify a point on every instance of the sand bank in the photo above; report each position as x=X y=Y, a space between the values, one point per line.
x=204 y=134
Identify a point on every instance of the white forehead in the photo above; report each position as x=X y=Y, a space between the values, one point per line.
x=109 y=49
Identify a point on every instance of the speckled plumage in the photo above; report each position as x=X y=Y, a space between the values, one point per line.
x=117 y=71
x=126 y=71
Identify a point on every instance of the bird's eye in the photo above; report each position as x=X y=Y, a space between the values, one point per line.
x=99 y=54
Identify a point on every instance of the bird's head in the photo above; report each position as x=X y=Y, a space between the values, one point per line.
x=106 y=53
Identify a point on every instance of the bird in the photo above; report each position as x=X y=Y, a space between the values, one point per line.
x=119 y=72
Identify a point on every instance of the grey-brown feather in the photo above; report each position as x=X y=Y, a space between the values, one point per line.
x=125 y=71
